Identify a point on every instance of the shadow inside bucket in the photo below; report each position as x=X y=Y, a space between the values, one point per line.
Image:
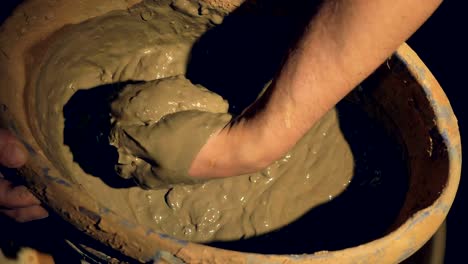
x=236 y=58
x=363 y=212
x=87 y=128
x=241 y=55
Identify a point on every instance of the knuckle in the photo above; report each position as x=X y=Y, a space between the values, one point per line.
x=22 y=193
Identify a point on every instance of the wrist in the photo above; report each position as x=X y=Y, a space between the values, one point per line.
x=232 y=151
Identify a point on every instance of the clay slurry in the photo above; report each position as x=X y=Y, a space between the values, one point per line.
x=151 y=43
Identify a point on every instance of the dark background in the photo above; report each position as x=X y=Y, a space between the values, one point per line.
x=441 y=44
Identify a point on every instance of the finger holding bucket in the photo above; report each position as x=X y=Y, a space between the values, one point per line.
x=16 y=202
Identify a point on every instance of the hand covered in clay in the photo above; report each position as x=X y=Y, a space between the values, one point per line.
x=343 y=44
x=16 y=202
x=160 y=154
x=160 y=126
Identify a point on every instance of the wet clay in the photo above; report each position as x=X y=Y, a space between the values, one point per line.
x=154 y=123
x=160 y=127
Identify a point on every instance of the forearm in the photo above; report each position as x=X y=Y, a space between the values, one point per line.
x=343 y=44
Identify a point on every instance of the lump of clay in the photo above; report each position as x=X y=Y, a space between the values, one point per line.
x=160 y=126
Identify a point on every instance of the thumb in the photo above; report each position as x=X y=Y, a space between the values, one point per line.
x=12 y=153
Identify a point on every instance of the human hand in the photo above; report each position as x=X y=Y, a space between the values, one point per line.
x=326 y=63
x=16 y=202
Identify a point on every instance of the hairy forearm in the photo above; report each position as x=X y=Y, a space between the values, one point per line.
x=343 y=44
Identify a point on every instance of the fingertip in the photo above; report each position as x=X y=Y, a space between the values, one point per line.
x=41 y=213
x=17 y=155
x=12 y=153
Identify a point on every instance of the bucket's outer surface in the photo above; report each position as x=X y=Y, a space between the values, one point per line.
x=404 y=89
